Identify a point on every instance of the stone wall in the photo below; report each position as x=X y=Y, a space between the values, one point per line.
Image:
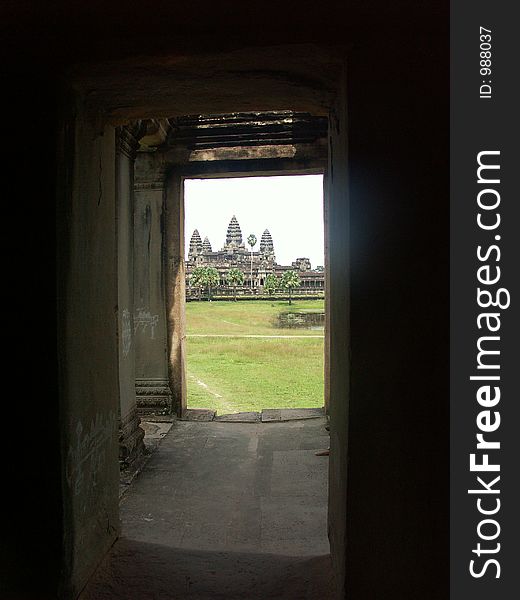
x=338 y=325
x=397 y=434
x=88 y=352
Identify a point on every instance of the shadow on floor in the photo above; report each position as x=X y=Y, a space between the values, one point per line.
x=231 y=511
x=140 y=571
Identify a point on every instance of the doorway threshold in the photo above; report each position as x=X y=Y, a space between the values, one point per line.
x=267 y=415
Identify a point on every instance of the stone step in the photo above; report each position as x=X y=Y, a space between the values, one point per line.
x=198 y=414
x=291 y=414
x=242 y=417
x=268 y=415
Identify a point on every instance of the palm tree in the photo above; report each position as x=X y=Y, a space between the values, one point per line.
x=212 y=278
x=271 y=283
x=289 y=281
x=251 y=240
x=235 y=277
x=198 y=279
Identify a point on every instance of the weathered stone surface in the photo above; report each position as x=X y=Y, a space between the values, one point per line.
x=154 y=432
x=198 y=414
x=151 y=434
x=234 y=486
x=271 y=414
x=160 y=418
x=149 y=318
x=305 y=78
x=130 y=438
x=169 y=572
x=291 y=414
x=153 y=396
x=131 y=445
x=242 y=417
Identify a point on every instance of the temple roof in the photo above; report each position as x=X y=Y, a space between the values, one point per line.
x=234 y=233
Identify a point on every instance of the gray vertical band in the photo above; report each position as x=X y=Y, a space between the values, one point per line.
x=484 y=349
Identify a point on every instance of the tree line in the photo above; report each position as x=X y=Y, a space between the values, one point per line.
x=208 y=278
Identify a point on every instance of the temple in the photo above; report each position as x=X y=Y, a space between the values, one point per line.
x=256 y=265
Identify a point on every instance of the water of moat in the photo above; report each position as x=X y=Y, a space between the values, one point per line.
x=299 y=320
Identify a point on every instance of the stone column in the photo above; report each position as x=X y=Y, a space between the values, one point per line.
x=150 y=332
x=130 y=434
x=326 y=332
x=176 y=291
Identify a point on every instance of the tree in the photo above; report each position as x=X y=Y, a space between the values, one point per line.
x=198 y=279
x=211 y=279
x=271 y=283
x=251 y=240
x=289 y=281
x=235 y=277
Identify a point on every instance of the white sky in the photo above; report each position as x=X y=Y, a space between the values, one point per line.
x=291 y=207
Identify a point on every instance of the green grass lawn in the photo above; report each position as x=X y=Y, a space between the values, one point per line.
x=234 y=374
x=246 y=317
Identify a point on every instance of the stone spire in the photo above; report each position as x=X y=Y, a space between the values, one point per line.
x=266 y=243
x=206 y=245
x=195 y=243
x=234 y=234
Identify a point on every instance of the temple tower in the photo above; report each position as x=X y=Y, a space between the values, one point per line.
x=234 y=235
x=195 y=244
x=206 y=245
x=267 y=256
x=266 y=243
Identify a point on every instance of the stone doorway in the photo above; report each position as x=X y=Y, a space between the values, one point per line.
x=161 y=167
x=155 y=157
x=223 y=146
x=251 y=351
x=138 y=169
x=389 y=223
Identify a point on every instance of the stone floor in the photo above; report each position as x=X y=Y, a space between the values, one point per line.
x=225 y=510
x=266 y=416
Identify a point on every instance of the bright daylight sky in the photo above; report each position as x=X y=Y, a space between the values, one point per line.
x=291 y=207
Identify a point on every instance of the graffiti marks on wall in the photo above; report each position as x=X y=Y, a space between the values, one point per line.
x=87 y=453
x=145 y=321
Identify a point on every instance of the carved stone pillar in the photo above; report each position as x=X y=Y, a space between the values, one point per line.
x=150 y=331
x=130 y=434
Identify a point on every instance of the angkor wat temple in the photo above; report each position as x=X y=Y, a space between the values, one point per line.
x=235 y=254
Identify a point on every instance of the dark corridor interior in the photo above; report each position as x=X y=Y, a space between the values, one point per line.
x=397 y=498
